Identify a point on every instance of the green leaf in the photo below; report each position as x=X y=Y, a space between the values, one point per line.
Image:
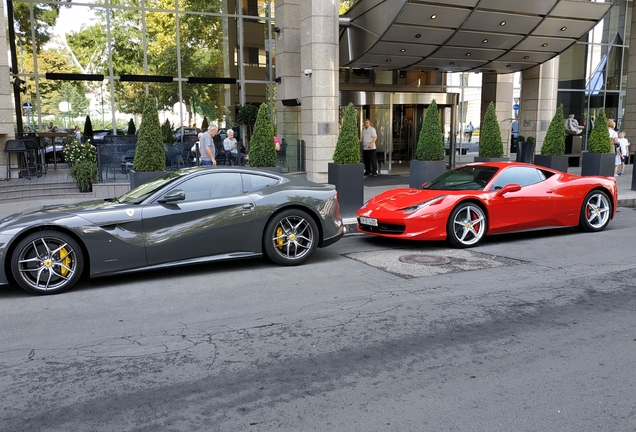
x=430 y=146
x=347 y=149
x=554 y=142
x=490 y=144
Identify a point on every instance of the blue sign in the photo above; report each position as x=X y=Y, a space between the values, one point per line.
x=516 y=107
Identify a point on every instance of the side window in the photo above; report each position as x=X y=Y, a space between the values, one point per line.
x=254 y=182
x=211 y=185
x=523 y=176
x=225 y=185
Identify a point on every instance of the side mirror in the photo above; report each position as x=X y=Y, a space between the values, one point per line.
x=513 y=187
x=173 y=196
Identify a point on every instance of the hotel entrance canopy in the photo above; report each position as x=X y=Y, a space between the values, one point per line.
x=495 y=36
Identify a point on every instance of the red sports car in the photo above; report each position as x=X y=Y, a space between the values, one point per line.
x=472 y=201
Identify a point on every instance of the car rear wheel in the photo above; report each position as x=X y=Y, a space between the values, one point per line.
x=466 y=226
x=291 y=237
x=596 y=211
x=47 y=262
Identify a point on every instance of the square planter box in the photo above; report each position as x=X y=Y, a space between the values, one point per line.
x=349 y=182
x=424 y=171
x=559 y=163
x=600 y=164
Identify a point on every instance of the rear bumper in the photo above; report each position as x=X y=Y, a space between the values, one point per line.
x=331 y=240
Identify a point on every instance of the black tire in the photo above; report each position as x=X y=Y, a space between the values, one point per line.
x=595 y=211
x=290 y=237
x=47 y=262
x=467 y=225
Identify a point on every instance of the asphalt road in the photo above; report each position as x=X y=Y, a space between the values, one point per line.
x=528 y=332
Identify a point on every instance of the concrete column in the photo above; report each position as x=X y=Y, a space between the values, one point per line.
x=288 y=70
x=319 y=89
x=539 y=86
x=498 y=88
x=6 y=100
x=629 y=119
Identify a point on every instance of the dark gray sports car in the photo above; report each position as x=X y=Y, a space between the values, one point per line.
x=188 y=216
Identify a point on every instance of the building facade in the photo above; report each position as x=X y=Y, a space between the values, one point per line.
x=208 y=58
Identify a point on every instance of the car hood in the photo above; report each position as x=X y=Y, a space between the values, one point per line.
x=39 y=215
x=397 y=199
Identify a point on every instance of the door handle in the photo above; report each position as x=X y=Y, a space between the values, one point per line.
x=248 y=206
x=549 y=191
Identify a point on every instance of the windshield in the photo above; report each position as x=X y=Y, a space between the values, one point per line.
x=463 y=178
x=142 y=192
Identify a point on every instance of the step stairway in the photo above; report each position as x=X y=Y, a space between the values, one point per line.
x=55 y=184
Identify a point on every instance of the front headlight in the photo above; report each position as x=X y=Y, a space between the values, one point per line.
x=420 y=206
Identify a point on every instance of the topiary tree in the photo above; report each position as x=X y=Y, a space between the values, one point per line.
x=167 y=133
x=490 y=144
x=204 y=124
x=246 y=115
x=554 y=142
x=131 y=127
x=599 y=140
x=348 y=145
x=262 y=149
x=150 y=155
x=430 y=146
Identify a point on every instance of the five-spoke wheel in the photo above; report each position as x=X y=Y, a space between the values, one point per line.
x=291 y=237
x=47 y=262
x=466 y=225
x=595 y=212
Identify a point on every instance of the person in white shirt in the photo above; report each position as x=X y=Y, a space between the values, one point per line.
x=624 y=153
x=370 y=157
x=231 y=146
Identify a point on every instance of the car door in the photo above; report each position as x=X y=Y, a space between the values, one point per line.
x=530 y=207
x=215 y=218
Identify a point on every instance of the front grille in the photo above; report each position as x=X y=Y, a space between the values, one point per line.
x=383 y=228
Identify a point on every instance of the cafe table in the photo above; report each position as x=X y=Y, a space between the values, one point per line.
x=52 y=135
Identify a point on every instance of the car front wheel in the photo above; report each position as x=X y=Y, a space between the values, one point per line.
x=291 y=237
x=466 y=225
x=596 y=211
x=47 y=262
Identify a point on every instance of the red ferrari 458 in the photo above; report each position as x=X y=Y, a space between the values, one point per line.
x=472 y=201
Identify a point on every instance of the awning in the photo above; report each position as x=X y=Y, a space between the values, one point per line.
x=499 y=36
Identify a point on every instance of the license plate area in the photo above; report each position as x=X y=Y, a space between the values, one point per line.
x=368 y=221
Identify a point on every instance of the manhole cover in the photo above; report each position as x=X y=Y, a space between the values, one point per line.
x=430 y=260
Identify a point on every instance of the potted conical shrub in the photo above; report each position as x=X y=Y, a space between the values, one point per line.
x=490 y=143
x=429 y=162
x=553 y=148
x=262 y=152
x=599 y=157
x=150 y=157
x=346 y=172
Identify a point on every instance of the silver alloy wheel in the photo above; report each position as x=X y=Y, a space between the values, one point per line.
x=47 y=263
x=469 y=224
x=293 y=237
x=597 y=210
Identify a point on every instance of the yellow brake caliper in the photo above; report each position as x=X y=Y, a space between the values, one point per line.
x=279 y=238
x=66 y=261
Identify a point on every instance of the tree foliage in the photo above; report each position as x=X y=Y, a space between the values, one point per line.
x=430 y=146
x=45 y=16
x=348 y=145
x=599 y=141
x=149 y=155
x=262 y=148
x=554 y=142
x=490 y=144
